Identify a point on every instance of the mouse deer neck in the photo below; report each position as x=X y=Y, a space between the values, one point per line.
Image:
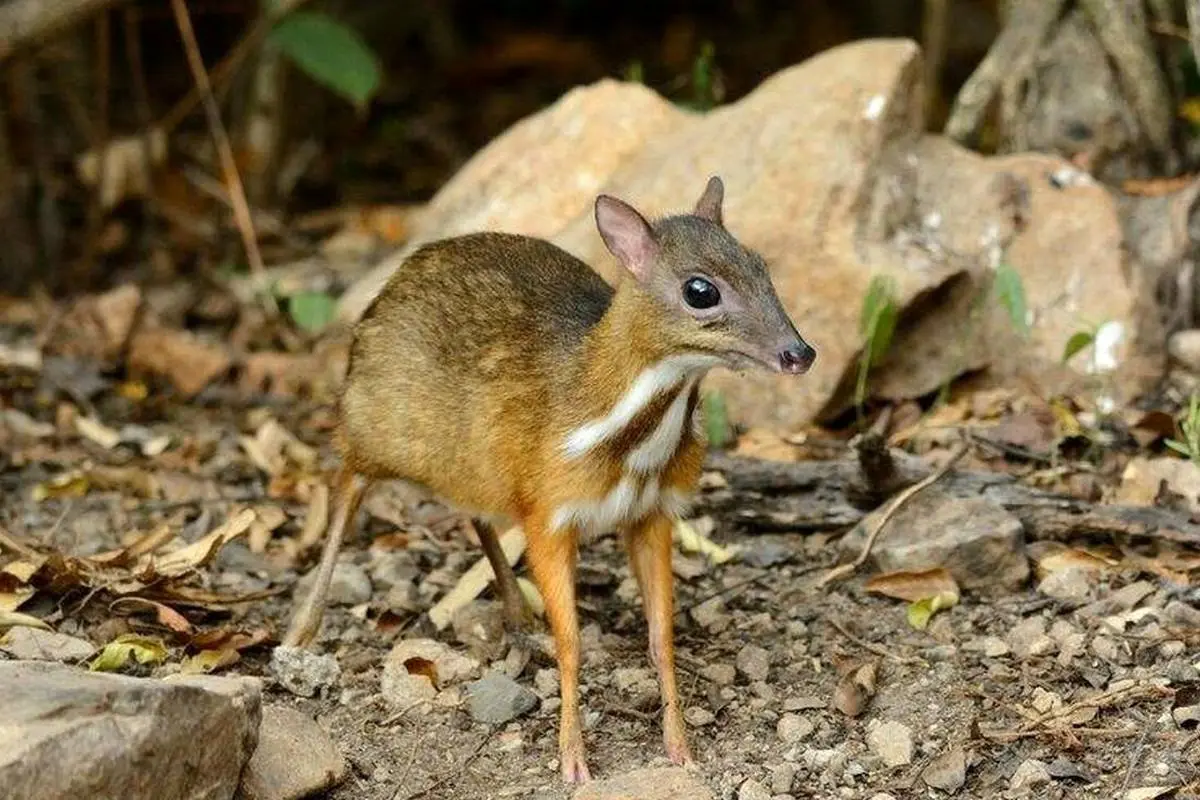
x=633 y=368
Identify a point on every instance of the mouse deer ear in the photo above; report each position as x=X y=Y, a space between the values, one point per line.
x=709 y=204
x=626 y=234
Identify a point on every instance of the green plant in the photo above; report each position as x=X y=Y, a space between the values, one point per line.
x=1010 y=291
x=877 y=323
x=716 y=420
x=634 y=73
x=311 y=311
x=330 y=52
x=1189 y=429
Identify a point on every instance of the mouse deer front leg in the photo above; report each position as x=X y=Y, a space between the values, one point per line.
x=649 y=545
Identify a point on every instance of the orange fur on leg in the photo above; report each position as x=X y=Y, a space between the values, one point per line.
x=649 y=546
x=552 y=558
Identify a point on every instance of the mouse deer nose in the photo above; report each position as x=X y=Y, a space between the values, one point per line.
x=797 y=358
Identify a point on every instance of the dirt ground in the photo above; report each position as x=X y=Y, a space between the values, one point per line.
x=1082 y=686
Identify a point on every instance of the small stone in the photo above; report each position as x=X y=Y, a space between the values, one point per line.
x=33 y=644
x=295 y=758
x=754 y=662
x=804 y=702
x=1171 y=648
x=1029 y=775
x=1148 y=792
x=782 y=777
x=650 y=783
x=753 y=790
x=882 y=796
x=1044 y=702
x=479 y=626
x=405 y=691
x=1184 y=347
x=349 y=585
x=403 y=596
x=698 y=716
x=711 y=614
x=440 y=663
x=891 y=741
x=720 y=674
x=303 y=672
x=1114 y=651
x=545 y=682
x=1183 y=614
x=496 y=699
x=1072 y=584
x=791 y=728
x=766 y=552
x=625 y=678
x=948 y=771
x=990 y=646
x=1028 y=638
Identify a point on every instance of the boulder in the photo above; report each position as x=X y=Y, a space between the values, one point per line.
x=830 y=176
x=68 y=733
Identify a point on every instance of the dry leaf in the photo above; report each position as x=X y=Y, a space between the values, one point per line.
x=9 y=619
x=166 y=616
x=921 y=611
x=200 y=552
x=764 y=444
x=692 y=540
x=855 y=689
x=207 y=661
x=912 y=586
x=12 y=600
x=317 y=518
x=97 y=432
x=72 y=483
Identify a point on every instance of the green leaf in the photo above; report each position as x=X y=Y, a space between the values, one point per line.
x=116 y=654
x=921 y=611
x=331 y=53
x=716 y=420
x=1078 y=341
x=1010 y=290
x=1178 y=447
x=877 y=323
x=312 y=311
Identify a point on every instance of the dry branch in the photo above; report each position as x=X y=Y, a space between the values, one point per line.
x=827 y=495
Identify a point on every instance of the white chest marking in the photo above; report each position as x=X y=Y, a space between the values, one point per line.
x=624 y=503
x=651 y=382
x=653 y=452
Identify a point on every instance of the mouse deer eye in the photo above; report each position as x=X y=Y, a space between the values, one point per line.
x=700 y=293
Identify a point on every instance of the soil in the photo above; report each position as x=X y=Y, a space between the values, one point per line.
x=966 y=681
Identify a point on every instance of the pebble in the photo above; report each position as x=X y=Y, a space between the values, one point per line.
x=1028 y=638
x=720 y=674
x=766 y=552
x=404 y=691
x=349 y=585
x=545 y=682
x=698 y=716
x=948 y=771
x=1183 y=614
x=448 y=665
x=791 y=728
x=295 y=758
x=648 y=783
x=625 y=678
x=1030 y=774
x=891 y=741
x=1114 y=651
x=33 y=644
x=753 y=662
x=804 y=702
x=711 y=614
x=782 y=777
x=479 y=626
x=753 y=790
x=496 y=699
x=990 y=646
x=303 y=672
x=1072 y=584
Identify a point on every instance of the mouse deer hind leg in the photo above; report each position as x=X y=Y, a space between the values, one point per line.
x=348 y=490
x=517 y=614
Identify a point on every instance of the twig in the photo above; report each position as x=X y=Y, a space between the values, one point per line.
x=25 y=551
x=845 y=569
x=1134 y=757
x=237 y=193
x=878 y=650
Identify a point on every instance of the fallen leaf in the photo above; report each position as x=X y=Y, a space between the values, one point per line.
x=693 y=541
x=229 y=639
x=200 y=552
x=187 y=361
x=764 y=444
x=475 y=579
x=855 y=689
x=24 y=425
x=317 y=518
x=912 y=586
x=10 y=619
x=98 y=432
x=11 y=601
x=1053 y=556
x=72 y=483
x=165 y=615
x=532 y=596
x=207 y=661
x=116 y=654
x=921 y=611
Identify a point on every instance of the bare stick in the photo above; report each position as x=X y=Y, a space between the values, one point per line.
x=237 y=193
x=845 y=569
x=933 y=35
x=1193 y=20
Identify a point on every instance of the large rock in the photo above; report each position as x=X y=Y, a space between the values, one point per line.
x=979 y=542
x=830 y=176
x=295 y=758
x=66 y=733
